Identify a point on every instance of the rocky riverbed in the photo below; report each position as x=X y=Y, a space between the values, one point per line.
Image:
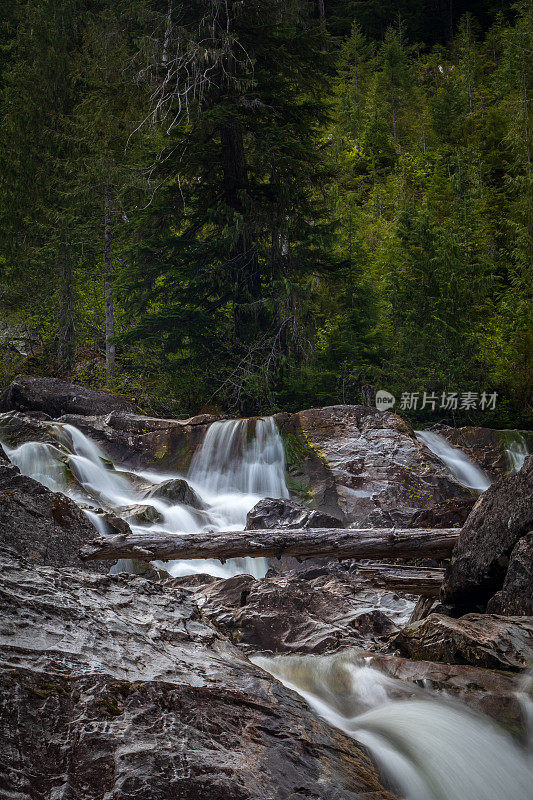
x=140 y=685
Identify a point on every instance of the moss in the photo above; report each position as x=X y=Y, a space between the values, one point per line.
x=161 y=452
x=108 y=704
x=45 y=690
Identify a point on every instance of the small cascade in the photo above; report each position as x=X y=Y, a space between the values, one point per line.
x=429 y=748
x=516 y=450
x=238 y=464
x=235 y=459
x=462 y=468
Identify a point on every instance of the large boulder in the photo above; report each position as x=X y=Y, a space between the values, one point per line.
x=483 y=640
x=516 y=594
x=44 y=526
x=56 y=397
x=282 y=513
x=362 y=465
x=502 y=515
x=291 y=614
x=114 y=687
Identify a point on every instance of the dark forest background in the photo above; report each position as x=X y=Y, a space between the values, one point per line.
x=261 y=205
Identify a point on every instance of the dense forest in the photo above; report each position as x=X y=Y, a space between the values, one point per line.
x=261 y=206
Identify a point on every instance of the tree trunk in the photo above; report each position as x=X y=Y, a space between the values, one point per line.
x=66 y=315
x=307 y=543
x=243 y=257
x=322 y=10
x=108 y=295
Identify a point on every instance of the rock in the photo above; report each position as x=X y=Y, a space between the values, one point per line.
x=56 y=397
x=516 y=595
x=177 y=491
x=483 y=640
x=113 y=686
x=283 y=513
x=444 y=515
x=288 y=614
x=143 y=515
x=363 y=466
x=44 y=526
x=490 y=692
x=501 y=516
x=139 y=442
x=17 y=428
x=488 y=448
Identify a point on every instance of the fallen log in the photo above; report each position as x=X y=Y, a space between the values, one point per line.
x=307 y=543
x=424 y=581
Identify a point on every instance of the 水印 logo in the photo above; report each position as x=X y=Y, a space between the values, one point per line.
x=384 y=400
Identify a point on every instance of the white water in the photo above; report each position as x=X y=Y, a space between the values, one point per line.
x=462 y=468
x=235 y=468
x=517 y=452
x=429 y=748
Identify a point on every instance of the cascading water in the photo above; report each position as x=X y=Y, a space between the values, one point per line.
x=462 y=468
x=429 y=748
x=516 y=449
x=238 y=464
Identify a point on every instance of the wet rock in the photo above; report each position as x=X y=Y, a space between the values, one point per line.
x=44 y=526
x=363 y=466
x=483 y=640
x=490 y=692
x=142 y=515
x=501 y=516
x=488 y=448
x=447 y=514
x=175 y=491
x=145 y=442
x=17 y=428
x=516 y=594
x=56 y=397
x=283 y=513
x=113 y=686
x=288 y=614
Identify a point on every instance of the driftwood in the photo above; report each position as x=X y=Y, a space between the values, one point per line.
x=423 y=581
x=308 y=543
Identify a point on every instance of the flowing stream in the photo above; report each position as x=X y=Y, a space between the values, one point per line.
x=460 y=465
x=238 y=464
x=428 y=747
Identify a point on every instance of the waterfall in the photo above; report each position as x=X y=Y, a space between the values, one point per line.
x=516 y=450
x=238 y=464
x=232 y=461
x=429 y=748
x=462 y=468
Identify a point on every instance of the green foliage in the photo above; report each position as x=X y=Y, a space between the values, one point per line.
x=294 y=213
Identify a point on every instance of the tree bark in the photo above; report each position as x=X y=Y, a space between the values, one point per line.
x=403 y=578
x=307 y=543
x=108 y=295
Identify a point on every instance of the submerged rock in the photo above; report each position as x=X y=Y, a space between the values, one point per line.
x=113 y=686
x=44 y=526
x=283 y=513
x=502 y=515
x=483 y=640
x=56 y=397
x=177 y=490
x=289 y=614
